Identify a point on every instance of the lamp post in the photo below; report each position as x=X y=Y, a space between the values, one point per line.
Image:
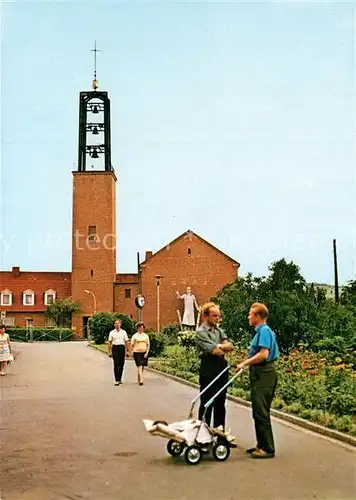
x=94 y=300
x=158 y=282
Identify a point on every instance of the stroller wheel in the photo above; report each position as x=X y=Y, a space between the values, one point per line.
x=193 y=455
x=174 y=448
x=221 y=451
x=163 y=422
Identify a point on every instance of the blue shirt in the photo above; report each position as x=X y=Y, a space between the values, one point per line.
x=264 y=338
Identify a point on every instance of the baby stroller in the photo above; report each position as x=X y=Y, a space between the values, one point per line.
x=195 y=437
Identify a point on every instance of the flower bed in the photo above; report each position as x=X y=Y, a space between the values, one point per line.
x=318 y=388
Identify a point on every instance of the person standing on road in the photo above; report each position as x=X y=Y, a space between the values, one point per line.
x=263 y=379
x=5 y=349
x=212 y=344
x=140 y=343
x=118 y=349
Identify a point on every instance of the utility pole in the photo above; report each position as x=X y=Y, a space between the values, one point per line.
x=158 y=283
x=139 y=309
x=336 y=277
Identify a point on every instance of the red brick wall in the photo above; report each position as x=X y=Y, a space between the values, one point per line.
x=38 y=319
x=124 y=305
x=18 y=281
x=206 y=270
x=93 y=266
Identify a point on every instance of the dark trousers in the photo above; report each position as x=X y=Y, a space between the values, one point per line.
x=263 y=380
x=218 y=406
x=118 y=356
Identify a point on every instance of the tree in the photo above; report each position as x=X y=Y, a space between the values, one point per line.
x=348 y=294
x=298 y=312
x=61 y=310
x=291 y=303
x=235 y=300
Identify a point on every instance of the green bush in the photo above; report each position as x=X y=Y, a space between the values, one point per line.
x=126 y=323
x=170 y=333
x=186 y=339
x=157 y=344
x=40 y=334
x=100 y=325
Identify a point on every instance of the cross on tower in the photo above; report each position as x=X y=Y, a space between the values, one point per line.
x=95 y=81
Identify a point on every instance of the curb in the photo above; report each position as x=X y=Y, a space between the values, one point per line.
x=300 y=422
x=284 y=417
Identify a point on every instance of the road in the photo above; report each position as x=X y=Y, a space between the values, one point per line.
x=68 y=433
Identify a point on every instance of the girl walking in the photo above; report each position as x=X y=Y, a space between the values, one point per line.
x=140 y=343
x=5 y=349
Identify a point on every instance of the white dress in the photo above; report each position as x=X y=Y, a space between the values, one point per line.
x=188 y=316
x=5 y=354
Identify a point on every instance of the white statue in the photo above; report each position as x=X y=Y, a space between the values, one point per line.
x=189 y=304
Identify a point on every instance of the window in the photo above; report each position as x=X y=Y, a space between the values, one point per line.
x=28 y=298
x=6 y=298
x=189 y=251
x=8 y=321
x=29 y=322
x=127 y=293
x=49 y=297
x=91 y=272
x=92 y=236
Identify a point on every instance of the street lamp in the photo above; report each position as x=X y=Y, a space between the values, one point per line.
x=94 y=298
x=158 y=282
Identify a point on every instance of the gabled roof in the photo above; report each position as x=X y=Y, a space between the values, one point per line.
x=187 y=234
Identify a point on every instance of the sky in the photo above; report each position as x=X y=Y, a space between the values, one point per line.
x=232 y=119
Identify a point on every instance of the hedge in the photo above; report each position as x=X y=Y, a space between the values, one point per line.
x=40 y=334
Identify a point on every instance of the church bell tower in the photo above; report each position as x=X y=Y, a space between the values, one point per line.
x=94 y=209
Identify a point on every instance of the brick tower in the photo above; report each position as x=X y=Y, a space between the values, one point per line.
x=94 y=210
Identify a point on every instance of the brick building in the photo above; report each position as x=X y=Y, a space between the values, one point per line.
x=188 y=260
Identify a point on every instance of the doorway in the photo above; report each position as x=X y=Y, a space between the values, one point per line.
x=85 y=329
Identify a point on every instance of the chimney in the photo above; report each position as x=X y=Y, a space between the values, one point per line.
x=148 y=254
x=16 y=271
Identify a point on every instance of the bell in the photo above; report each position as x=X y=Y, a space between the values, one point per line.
x=95 y=131
x=95 y=110
x=95 y=154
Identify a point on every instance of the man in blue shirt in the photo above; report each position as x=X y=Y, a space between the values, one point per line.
x=263 y=379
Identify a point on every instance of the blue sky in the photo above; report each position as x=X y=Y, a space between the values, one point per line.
x=234 y=120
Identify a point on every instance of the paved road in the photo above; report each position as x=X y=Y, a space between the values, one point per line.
x=68 y=433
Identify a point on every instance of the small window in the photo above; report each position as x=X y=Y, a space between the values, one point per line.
x=49 y=297
x=92 y=235
x=28 y=298
x=91 y=272
x=9 y=321
x=6 y=298
x=127 y=293
x=29 y=322
x=189 y=251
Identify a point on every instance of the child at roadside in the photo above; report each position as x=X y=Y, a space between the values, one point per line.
x=140 y=344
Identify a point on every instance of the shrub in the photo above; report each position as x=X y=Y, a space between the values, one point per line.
x=100 y=325
x=40 y=334
x=156 y=344
x=126 y=323
x=170 y=333
x=186 y=339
